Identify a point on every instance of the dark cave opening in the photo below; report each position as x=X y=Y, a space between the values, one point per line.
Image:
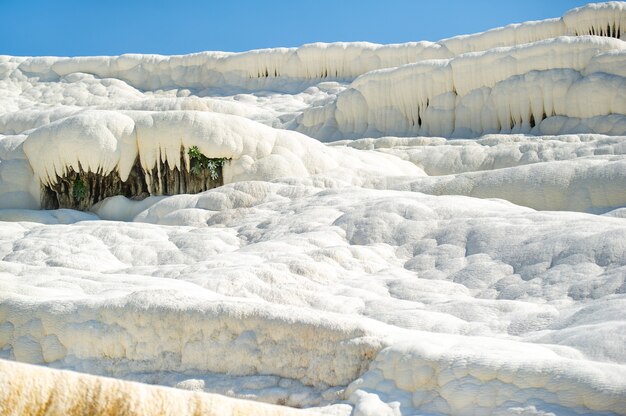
x=81 y=189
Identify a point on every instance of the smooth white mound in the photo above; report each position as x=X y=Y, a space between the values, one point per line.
x=549 y=87
x=258 y=69
x=103 y=141
x=571 y=172
x=374 y=276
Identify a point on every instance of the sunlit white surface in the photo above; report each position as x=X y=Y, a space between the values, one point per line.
x=448 y=256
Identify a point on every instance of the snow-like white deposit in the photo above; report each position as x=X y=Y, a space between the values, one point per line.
x=462 y=250
x=552 y=86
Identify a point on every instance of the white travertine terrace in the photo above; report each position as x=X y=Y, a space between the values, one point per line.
x=460 y=251
x=544 y=87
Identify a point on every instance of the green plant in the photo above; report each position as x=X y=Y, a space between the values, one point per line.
x=199 y=163
x=79 y=189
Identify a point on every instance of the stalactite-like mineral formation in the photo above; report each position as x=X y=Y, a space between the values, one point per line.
x=83 y=188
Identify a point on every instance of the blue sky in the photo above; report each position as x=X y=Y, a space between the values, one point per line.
x=112 y=27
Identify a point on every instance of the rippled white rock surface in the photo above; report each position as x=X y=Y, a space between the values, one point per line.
x=390 y=275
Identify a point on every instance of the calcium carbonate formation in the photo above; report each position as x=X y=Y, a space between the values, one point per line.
x=457 y=248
